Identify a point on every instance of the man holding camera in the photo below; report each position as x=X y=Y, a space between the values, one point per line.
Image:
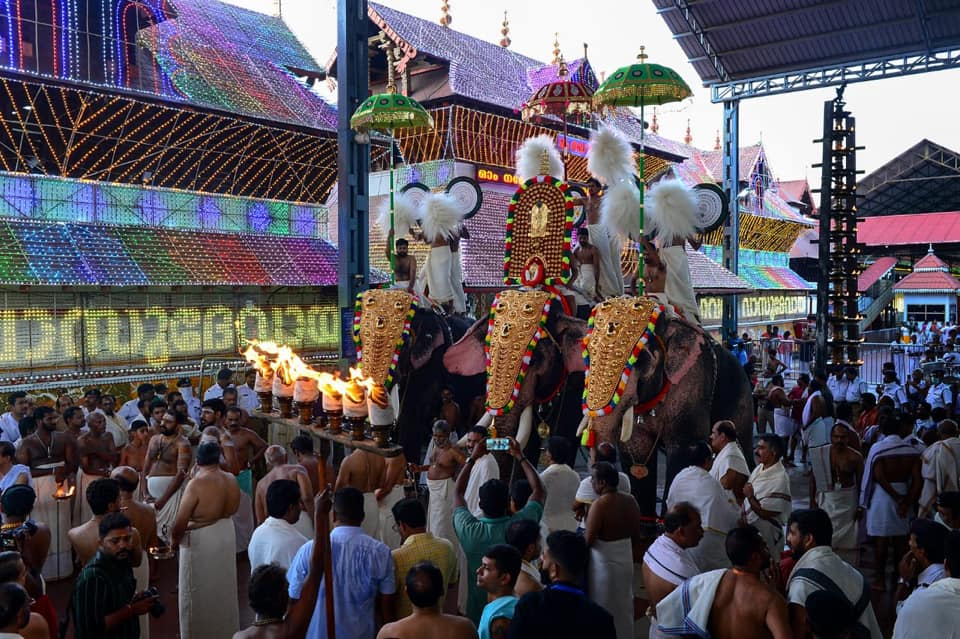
x=105 y=603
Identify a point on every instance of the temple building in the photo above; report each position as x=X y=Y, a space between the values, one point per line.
x=928 y=293
x=163 y=171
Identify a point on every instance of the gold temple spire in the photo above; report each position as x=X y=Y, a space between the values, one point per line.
x=688 y=138
x=716 y=143
x=445 y=18
x=505 y=31
x=556 y=48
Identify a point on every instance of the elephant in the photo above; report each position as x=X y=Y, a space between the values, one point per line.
x=418 y=374
x=680 y=383
x=554 y=374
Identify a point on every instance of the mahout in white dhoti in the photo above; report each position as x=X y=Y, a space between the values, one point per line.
x=840 y=504
x=686 y=610
x=456 y=282
x=696 y=486
x=678 y=287
x=166 y=516
x=561 y=483
x=387 y=532
x=587 y=281
x=610 y=579
x=208 y=582
x=771 y=487
x=939 y=470
x=437 y=268
x=882 y=517
x=608 y=248
x=820 y=568
x=56 y=516
x=729 y=458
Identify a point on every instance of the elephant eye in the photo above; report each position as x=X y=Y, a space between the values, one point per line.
x=369 y=300
x=398 y=304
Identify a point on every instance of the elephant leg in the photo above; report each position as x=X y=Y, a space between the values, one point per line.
x=640 y=451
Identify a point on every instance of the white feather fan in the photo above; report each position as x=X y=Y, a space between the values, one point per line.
x=530 y=156
x=405 y=215
x=441 y=215
x=611 y=157
x=620 y=208
x=671 y=210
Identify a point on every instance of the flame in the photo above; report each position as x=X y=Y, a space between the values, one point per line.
x=60 y=493
x=270 y=358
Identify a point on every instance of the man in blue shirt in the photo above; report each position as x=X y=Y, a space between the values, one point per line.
x=362 y=574
x=478 y=534
x=497 y=576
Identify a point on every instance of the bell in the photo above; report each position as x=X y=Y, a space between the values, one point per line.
x=543 y=430
x=639 y=471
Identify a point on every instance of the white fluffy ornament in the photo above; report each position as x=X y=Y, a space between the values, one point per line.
x=532 y=154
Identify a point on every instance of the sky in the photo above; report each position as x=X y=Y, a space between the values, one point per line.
x=892 y=115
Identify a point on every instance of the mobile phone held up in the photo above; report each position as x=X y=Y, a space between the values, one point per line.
x=498 y=443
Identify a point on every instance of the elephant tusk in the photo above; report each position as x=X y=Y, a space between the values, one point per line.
x=583 y=425
x=486 y=420
x=395 y=399
x=525 y=427
x=626 y=426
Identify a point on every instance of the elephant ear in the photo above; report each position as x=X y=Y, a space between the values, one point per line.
x=684 y=344
x=570 y=332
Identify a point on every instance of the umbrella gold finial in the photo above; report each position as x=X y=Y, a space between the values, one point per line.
x=505 y=31
x=556 y=48
x=654 y=126
x=445 y=18
x=688 y=138
x=642 y=56
x=545 y=162
x=562 y=71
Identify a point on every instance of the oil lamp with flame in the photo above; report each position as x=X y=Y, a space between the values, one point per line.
x=332 y=403
x=64 y=490
x=306 y=391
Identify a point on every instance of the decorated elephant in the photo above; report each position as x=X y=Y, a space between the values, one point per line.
x=531 y=350
x=401 y=346
x=655 y=379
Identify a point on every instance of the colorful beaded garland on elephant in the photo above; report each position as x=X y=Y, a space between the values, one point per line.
x=539 y=230
x=617 y=332
x=381 y=326
x=517 y=322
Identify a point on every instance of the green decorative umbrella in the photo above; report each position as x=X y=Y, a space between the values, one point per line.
x=640 y=85
x=387 y=112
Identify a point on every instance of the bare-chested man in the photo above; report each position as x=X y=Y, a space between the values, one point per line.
x=613 y=535
x=228 y=452
x=98 y=455
x=890 y=491
x=205 y=533
x=103 y=494
x=745 y=605
x=168 y=460
x=134 y=454
x=249 y=448
x=303 y=454
x=586 y=262
x=144 y=520
x=404 y=264
x=667 y=563
x=835 y=486
x=449 y=409
x=445 y=460
x=388 y=494
x=52 y=458
x=279 y=469
x=424 y=586
x=365 y=472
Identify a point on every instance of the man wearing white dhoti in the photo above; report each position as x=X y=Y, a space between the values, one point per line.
x=444 y=460
x=729 y=466
x=205 y=534
x=935 y=611
x=364 y=471
x=387 y=495
x=456 y=270
x=889 y=492
x=608 y=245
x=940 y=467
x=696 y=486
x=51 y=457
x=97 y=455
x=735 y=603
x=561 y=482
x=768 y=501
x=810 y=535
x=587 y=261
x=165 y=467
x=668 y=561
x=613 y=529
x=835 y=486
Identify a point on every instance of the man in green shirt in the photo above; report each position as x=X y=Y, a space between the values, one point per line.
x=103 y=597
x=476 y=534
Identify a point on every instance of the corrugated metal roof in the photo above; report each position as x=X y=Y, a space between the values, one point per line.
x=874 y=272
x=905 y=230
x=753 y=38
x=928 y=282
x=924 y=177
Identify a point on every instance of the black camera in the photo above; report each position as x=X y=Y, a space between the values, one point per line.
x=157 y=609
x=10 y=539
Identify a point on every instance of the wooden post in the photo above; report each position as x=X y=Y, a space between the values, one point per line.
x=324 y=536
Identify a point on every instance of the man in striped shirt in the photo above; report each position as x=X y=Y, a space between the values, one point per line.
x=103 y=598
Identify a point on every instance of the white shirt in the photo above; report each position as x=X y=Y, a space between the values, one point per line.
x=931 y=612
x=274 y=541
x=561 y=483
x=484 y=469
x=940 y=396
x=895 y=392
x=118 y=429
x=193 y=404
x=215 y=392
x=696 y=486
x=9 y=428
x=130 y=412
x=586 y=495
x=247 y=398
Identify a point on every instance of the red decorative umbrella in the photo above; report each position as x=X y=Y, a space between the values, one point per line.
x=562 y=98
